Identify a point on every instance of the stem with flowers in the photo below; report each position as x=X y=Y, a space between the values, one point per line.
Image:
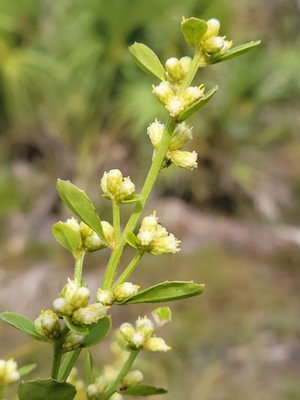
x=74 y=323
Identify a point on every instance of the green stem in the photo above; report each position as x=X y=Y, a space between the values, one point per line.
x=129 y=269
x=68 y=364
x=57 y=352
x=146 y=191
x=116 y=221
x=78 y=268
x=112 y=388
x=190 y=74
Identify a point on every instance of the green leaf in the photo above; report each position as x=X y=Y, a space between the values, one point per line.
x=142 y=390
x=131 y=240
x=23 y=324
x=198 y=104
x=78 y=330
x=67 y=237
x=26 y=369
x=46 y=389
x=147 y=60
x=166 y=291
x=193 y=29
x=79 y=203
x=237 y=51
x=97 y=332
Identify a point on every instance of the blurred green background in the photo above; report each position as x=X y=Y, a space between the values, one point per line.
x=73 y=104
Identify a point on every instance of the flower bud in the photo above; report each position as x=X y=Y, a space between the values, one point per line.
x=93 y=243
x=163 y=92
x=147 y=231
x=174 y=69
x=114 y=180
x=47 y=325
x=127 y=330
x=95 y=390
x=192 y=94
x=125 y=189
x=125 y=290
x=85 y=230
x=165 y=245
x=156 y=344
x=137 y=339
x=184 y=159
x=89 y=315
x=72 y=342
x=132 y=378
x=213 y=27
x=105 y=297
x=180 y=136
x=80 y=298
x=73 y=223
x=155 y=132
x=8 y=372
x=109 y=234
x=62 y=307
x=213 y=44
x=69 y=289
x=185 y=63
x=145 y=326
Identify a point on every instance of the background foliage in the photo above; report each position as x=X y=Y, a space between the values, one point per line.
x=73 y=104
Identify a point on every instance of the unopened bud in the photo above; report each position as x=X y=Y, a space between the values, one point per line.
x=213 y=44
x=156 y=344
x=174 y=69
x=109 y=234
x=95 y=390
x=185 y=62
x=127 y=330
x=62 y=307
x=72 y=342
x=125 y=189
x=125 y=290
x=145 y=326
x=180 y=136
x=8 y=372
x=213 y=27
x=69 y=289
x=132 y=378
x=47 y=325
x=163 y=92
x=89 y=315
x=105 y=297
x=192 y=94
x=184 y=159
x=155 y=132
x=165 y=245
x=80 y=298
x=114 y=180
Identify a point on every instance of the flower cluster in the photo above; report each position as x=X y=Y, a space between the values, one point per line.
x=121 y=293
x=8 y=372
x=182 y=133
x=73 y=303
x=88 y=239
x=117 y=188
x=177 y=69
x=212 y=45
x=142 y=336
x=176 y=104
x=154 y=238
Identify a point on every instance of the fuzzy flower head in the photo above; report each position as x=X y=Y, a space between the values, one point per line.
x=116 y=187
x=155 y=132
x=47 y=325
x=154 y=238
x=184 y=159
x=181 y=135
x=8 y=372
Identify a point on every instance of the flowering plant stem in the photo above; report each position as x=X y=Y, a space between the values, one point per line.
x=129 y=269
x=78 y=267
x=116 y=220
x=57 y=352
x=145 y=193
x=68 y=364
x=191 y=73
x=112 y=388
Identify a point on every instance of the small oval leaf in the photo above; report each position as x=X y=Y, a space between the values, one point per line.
x=46 y=389
x=193 y=29
x=166 y=291
x=197 y=105
x=142 y=389
x=133 y=199
x=23 y=324
x=79 y=203
x=67 y=237
x=97 y=332
x=237 y=51
x=26 y=369
x=147 y=60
